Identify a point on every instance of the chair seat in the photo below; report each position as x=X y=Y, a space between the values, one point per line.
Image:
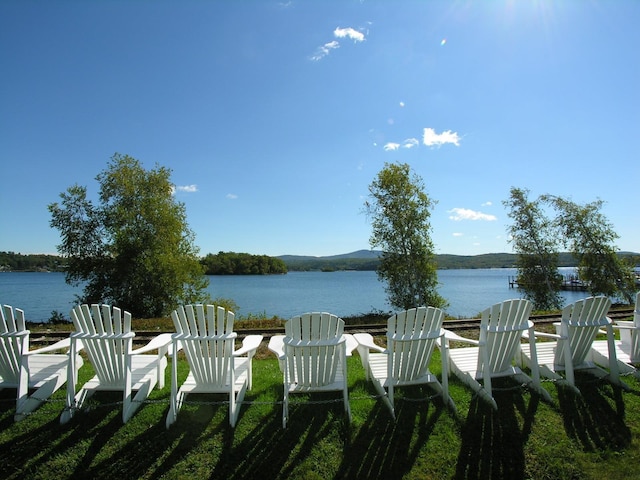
x=623 y=352
x=546 y=356
x=46 y=366
x=144 y=368
x=241 y=365
x=466 y=359
x=42 y=367
x=337 y=384
x=378 y=365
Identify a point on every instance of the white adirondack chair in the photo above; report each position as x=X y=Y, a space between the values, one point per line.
x=24 y=369
x=313 y=357
x=627 y=348
x=502 y=327
x=105 y=333
x=571 y=348
x=412 y=336
x=205 y=332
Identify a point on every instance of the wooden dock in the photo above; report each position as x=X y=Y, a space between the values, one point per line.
x=569 y=282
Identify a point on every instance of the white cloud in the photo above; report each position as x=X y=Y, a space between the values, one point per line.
x=349 y=32
x=402 y=104
x=231 y=196
x=467 y=214
x=184 y=188
x=431 y=138
x=457 y=234
x=486 y=204
x=325 y=50
x=410 y=143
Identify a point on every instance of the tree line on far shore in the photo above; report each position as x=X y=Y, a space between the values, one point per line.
x=232 y=263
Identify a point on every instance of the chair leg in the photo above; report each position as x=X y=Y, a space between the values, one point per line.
x=30 y=403
x=130 y=406
x=446 y=398
x=285 y=407
x=347 y=406
x=174 y=407
x=235 y=404
x=175 y=401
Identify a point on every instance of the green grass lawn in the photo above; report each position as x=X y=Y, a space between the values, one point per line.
x=593 y=436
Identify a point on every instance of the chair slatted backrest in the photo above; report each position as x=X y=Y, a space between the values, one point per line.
x=581 y=322
x=411 y=339
x=311 y=347
x=106 y=334
x=207 y=338
x=12 y=335
x=501 y=329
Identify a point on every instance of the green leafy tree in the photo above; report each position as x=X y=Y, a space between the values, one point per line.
x=231 y=263
x=400 y=212
x=134 y=249
x=590 y=236
x=534 y=241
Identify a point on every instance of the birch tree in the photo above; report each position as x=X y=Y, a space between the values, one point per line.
x=535 y=242
x=400 y=211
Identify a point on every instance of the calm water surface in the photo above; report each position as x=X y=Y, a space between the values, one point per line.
x=342 y=293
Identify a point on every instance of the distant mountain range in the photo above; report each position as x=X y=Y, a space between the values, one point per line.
x=369 y=259
x=366 y=254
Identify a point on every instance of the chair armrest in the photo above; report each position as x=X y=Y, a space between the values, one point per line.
x=547 y=335
x=60 y=345
x=156 y=343
x=276 y=345
x=449 y=335
x=366 y=340
x=351 y=342
x=625 y=325
x=89 y=336
x=250 y=343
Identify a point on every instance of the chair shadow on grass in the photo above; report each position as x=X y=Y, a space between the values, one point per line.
x=384 y=448
x=43 y=442
x=269 y=451
x=596 y=417
x=196 y=425
x=493 y=441
x=97 y=426
x=7 y=407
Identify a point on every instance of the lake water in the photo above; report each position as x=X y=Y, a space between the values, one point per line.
x=343 y=293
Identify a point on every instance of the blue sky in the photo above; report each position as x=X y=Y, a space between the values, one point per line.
x=276 y=116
